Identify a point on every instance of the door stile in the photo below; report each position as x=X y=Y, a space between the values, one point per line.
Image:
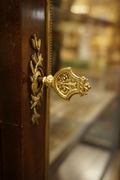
x=33 y=22
x=23 y=144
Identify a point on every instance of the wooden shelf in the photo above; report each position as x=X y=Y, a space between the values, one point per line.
x=70 y=121
x=81 y=159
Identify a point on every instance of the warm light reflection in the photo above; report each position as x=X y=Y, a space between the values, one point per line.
x=38 y=14
x=79 y=9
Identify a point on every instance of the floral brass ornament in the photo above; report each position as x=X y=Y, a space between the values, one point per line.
x=36 y=66
x=64 y=82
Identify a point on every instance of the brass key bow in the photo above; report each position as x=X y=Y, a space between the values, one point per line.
x=64 y=82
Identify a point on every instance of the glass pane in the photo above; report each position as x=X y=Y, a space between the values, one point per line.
x=84 y=130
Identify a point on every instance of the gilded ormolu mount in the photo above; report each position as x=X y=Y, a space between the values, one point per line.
x=36 y=66
x=64 y=82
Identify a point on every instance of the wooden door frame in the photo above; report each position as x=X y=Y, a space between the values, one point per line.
x=24 y=147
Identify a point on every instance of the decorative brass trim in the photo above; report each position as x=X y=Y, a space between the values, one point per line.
x=36 y=66
x=66 y=83
x=48 y=65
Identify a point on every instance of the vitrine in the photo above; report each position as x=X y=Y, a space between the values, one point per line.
x=24 y=142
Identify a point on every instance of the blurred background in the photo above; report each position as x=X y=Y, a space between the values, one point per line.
x=84 y=132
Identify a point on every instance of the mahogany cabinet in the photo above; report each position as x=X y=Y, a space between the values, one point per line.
x=23 y=147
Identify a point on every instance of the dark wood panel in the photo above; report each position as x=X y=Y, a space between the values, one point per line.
x=12 y=151
x=0 y=131
x=33 y=22
x=10 y=70
x=23 y=145
x=0 y=154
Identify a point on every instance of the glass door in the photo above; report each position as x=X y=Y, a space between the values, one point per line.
x=81 y=30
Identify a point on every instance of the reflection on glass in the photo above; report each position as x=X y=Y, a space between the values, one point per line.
x=84 y=131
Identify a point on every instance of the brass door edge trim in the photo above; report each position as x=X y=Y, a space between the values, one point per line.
x=49 y=64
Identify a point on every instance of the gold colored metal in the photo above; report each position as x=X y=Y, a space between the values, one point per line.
x=36 y=67
x=66 y=83
x=48 y=68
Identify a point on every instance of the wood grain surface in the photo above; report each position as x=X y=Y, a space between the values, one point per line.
x=23 y=145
